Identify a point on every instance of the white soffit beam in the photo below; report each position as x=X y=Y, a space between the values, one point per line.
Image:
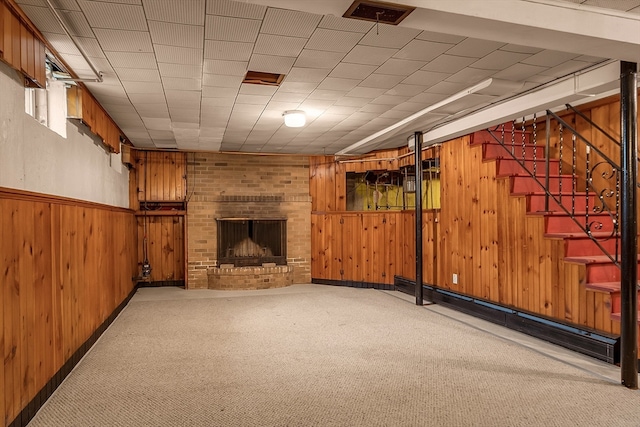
x=600 y=79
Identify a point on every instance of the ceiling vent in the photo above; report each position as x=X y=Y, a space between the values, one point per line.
x=267 y=79
x=377 y=11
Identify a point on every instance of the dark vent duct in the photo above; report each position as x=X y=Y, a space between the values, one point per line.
x=377 y=11
x=259 y=78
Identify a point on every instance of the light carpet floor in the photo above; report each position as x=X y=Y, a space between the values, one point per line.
x=313 y=355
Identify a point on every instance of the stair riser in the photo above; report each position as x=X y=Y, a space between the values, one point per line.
x=535 y=203
x=506 y=167
x=497 y=151
x=585 y=247
x=602 y=273
x=526 y=184
x=616 y=302
x=564 y=224
x=483 y=136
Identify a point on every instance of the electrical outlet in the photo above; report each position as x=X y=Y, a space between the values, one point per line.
x=455 y=279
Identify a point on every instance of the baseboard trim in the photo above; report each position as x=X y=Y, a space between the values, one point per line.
x=29 y=411
x=354 y=284
x=583 y=340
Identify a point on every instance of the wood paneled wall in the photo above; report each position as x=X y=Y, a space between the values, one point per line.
x=65 y=265
x=20 y=46
x=159 y=179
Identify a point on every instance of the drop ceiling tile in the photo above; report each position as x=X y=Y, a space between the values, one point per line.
x=369 y=55
x=351 y=101
x=235 y=9
x=333 y=41
x=180 y=70
x=131 y=60
x=446 y=88
x=566 y=68
x=231 y=29
x=253 y=99
x=191 y=12
x=411 y=107
x=374 y=108
x=218 y=92
x=124 y=41
x=309 y=75
x=390 y=99
x=288 y=97
x=250 y=89
x=157 y=123
x=406 y=90
x=114 y=15
x=421 y=50
x=474 y=48
x=152 y=110
x=142 y=87
x=271 y=64
x=332 y=22
x=389 y=36
x=425 y=78
x=381 y=81
x=147 y=98
x=177 y=83
x=160 y=134
x=68 y=5
x=173 y=34
x=366 y=92
x=178 y=55
x=318 y=59
x=218 y=102
x=185 y=115
x=269 y=44
x=334 y=83
x=587 y=58
x=43 y=18
x=448 y=63
x=549 y=58
x=470 y=76
x=222 y=80
x=62 y=43
x=279 y=106
x=76 y=23
x=394 y=114
x=182 y=98
x=352 y=71
x=297 y=87
x=519 y=72
x=521 y=49
x=499 y=60
x=342 y=109
x=400 y=67
x=439 y=37
x=138 y=75
x=91 y=47
x=326 y=94
x=289 y=23
x=230 y=51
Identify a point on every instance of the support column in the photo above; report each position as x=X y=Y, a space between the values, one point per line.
x=418 y=168
x=628 y=223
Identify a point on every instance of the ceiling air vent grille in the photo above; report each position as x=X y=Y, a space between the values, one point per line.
x=377 y=11
x=258 y=78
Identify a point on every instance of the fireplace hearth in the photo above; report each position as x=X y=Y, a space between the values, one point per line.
x=246 y=242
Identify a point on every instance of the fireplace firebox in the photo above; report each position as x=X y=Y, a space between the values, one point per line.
x=246 y=242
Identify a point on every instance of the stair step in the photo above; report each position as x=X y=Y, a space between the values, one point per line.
x=483 y=136
x=495 y=150
x=522 y=185
x=508 y=167
x=617 y=316
x=599 y=268
x=612 y=288
x=559 y=222
x=584 y=246
x=535 y=201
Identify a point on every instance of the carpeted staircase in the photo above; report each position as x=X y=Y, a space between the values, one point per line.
x=601 y=274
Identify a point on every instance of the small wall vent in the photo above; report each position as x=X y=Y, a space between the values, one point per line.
x=259 y=78
x=377 y=11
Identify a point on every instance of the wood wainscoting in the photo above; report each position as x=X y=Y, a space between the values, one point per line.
x=66 y=266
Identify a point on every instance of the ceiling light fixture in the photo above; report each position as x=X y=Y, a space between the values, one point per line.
x=473 y=89
x=294 y=118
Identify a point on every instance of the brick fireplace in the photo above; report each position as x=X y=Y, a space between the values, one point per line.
x=239 y=209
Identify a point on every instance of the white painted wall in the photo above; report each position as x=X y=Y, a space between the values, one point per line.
x=35 y=158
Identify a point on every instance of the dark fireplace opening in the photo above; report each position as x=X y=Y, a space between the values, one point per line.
x=247 y=242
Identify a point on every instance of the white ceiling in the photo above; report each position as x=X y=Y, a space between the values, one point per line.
x=173 y=68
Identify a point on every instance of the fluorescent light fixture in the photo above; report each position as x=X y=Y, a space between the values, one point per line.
x=294 y=118
x=473 y=89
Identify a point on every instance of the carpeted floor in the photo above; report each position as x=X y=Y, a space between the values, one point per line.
x=312 y=355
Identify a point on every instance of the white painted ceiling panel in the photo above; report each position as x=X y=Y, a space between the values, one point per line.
x=288 y=97
x=474 y=48
x=448 y=63
x=268 y=44
x=421 y=50
x=326 y=94
x=470 y=76
x=180 y=70
x=253 y=99
x=549 y=58
x=318 y=59
x=400 y=67
x=369 y=55
x=351 y=101
x=124 y=41
x=251 y=89
x=406 y=90
x=43 y=18
x=231 y=51
x=76 y=23
x=309 y=75
x=157 y=124
x=138 y=75
x=271 y=64
x=177 y=83
x=62 y=43
x=367 y=92
x=218 y=92
x=519 y=72
x=499 y=60
x=190 y=12
x=114 y=15
x=381 y=81
x=91 y=47
x=147 y=98
x=334 y=83
x=228 y=68
x=173 y=34
x=390 y=100
x=231 y=29
x=440 y=37
x=520 y=49
x=178 y=55
x=333 y=41
x=142 y=87
x=222 y=80
x=235 y=9
x=68 y=5
x=352 y=71
x=132 y=60
x=289 y=23
x=389 y=36
x=332 y=22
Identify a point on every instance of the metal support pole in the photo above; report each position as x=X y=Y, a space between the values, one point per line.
x=418 y=168
x=628 y=222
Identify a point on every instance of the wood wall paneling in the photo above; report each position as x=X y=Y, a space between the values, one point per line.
x=66 y=266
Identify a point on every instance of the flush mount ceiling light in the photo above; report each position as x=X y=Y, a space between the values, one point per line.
x=294 y=118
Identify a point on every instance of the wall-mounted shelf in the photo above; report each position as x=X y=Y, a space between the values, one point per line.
x=161 y=212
